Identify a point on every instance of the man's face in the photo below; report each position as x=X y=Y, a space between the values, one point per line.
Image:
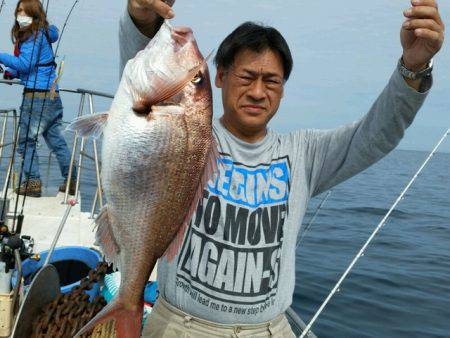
x=252 y=89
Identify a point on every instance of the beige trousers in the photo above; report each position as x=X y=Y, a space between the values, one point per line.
x=166 y=321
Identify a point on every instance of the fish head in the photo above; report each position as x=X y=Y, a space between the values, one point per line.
x=170 y=71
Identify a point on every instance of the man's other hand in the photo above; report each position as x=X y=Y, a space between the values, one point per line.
x=422 y=34
x=147 y=14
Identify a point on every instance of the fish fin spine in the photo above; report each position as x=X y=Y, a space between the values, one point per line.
x=104 y=237
x=211 y=169
x=128 y=322
x=89 y=125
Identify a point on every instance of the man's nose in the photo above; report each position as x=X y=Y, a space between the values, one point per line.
x=257 y=90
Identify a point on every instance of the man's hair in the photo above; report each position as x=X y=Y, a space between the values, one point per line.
x=257 y=38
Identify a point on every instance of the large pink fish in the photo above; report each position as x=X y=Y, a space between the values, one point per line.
x=158 y=153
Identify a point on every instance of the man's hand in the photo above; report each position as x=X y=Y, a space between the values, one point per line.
x=422 y=34
x=148 y=14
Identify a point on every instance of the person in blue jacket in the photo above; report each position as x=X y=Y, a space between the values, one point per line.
x=34 y=64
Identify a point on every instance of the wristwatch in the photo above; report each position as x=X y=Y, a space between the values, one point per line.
x=409 y=74
x=424 y=75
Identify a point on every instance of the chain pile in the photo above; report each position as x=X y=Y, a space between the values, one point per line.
x=68 y=313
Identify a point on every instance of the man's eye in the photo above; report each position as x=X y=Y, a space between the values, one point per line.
x=276 y=82
x=273 y=84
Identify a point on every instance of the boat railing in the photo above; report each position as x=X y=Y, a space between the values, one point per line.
x=86 y=97
x=79 y=146
x=7 y=114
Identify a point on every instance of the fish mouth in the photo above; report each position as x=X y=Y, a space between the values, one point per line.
x=180 y=35
x=170 y=105
x=182 y=46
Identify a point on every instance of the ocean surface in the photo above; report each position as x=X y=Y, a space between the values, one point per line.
x=401 y=286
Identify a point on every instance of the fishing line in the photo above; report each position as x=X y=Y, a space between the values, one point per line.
x=374 y=233
x=64 y=26
x=302 y=235
x=45 y=97
x=1 y=5
x=18 y=131
x=29 y=120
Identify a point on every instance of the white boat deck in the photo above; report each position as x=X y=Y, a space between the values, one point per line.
x=43 y=216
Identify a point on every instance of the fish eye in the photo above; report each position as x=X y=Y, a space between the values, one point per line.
x=197 y=79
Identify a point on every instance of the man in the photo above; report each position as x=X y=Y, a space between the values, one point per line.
x=235 y=273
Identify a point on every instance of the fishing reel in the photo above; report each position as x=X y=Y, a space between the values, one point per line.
x=11 y=241
x=6 y=75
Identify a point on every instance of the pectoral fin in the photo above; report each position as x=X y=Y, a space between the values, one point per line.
x=104 y=237
x=90 y=125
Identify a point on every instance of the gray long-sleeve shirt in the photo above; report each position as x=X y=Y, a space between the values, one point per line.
x=237 y=262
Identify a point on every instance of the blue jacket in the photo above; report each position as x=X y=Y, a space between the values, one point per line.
x=28 y=60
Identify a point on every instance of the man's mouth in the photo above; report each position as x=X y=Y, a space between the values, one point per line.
x=253 y=108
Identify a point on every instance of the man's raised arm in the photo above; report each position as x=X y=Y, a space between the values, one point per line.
x=338 y=154
x=139 y=24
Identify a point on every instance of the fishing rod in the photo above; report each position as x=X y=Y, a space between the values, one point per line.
x=64 y=26
x=43 y=107
x=374 y=233
x=61 y=65
x=1 y=5
x=299 y=240
x=32 y=102
x=6 y=233
x=26 y=140
x=29 y=124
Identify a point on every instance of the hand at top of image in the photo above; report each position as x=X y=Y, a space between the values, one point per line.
x=422 y=33
x=142 y=10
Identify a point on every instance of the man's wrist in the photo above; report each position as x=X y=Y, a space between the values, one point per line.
x=417 y=77
x=146 y=21
x=412 y=67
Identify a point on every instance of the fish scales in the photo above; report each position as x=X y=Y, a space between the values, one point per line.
x=158 y=151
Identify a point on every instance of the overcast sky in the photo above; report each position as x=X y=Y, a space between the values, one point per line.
x=344 y=54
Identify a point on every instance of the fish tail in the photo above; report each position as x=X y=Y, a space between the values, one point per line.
x=128 y=321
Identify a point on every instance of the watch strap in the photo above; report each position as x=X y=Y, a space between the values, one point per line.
x=409 y=74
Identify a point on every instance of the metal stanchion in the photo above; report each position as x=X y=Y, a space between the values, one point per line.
x=80 y=161
x=97 y=166
x=2 y=138
x=94 y=204
x=74 y=148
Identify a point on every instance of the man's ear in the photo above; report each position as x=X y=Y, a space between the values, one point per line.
x=219 y=77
